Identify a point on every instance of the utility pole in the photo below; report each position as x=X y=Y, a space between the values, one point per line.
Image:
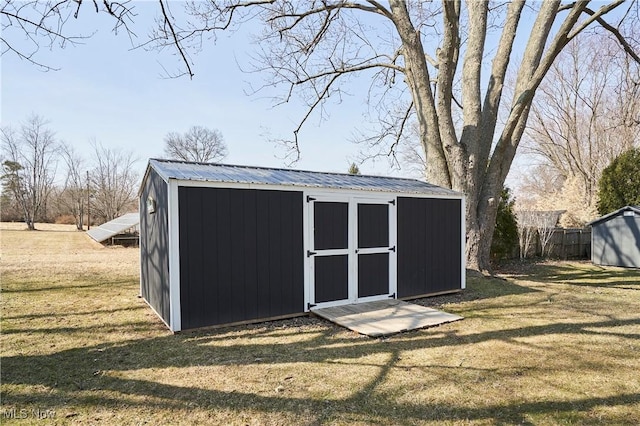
x=88 y=203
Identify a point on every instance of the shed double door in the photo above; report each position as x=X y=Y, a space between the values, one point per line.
x=351 y=250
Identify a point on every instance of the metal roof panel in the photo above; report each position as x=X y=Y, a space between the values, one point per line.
x=209 y=172
x=635 y=209
x=114 y=227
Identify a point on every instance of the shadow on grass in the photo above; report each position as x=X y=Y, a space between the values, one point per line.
x=131 y=325
x=579 y=274
x=361 y=404
x=36 y=286
x=96 y=376
x=99 y=369
x=478 y=287
x=74 y=314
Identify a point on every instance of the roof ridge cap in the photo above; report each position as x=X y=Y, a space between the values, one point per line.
x=244 y=166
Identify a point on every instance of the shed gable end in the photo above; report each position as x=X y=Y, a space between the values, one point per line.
x=154 y=244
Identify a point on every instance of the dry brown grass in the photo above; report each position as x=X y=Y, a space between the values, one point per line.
x=555 y=343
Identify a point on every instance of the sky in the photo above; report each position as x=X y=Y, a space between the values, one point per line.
x=121 y=98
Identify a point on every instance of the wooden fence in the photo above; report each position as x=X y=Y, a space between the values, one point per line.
x=564 y=243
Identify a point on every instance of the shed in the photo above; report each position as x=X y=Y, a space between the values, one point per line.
x=122 y=228
x=223 y=244
x=615 y=238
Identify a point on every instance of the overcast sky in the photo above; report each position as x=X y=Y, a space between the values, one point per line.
x=121 y=98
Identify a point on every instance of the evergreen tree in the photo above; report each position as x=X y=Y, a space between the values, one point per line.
x=619 y=185
x=354 y=169
x=11 y=189
x=505 y=235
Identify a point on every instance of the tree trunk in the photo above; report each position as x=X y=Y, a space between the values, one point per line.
x=28 y=219
x=418 y=81
x=79 y=216
x=30 y=224
x=480 y=237
x=484 y=185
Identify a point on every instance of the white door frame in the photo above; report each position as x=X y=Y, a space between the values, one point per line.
x=391 y=248
x=352 y=250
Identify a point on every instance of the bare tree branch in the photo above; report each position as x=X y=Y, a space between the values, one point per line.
x=403 y=125
x=113 y=182
x=578 y=123
x=73 y=196
x=320 y=98
x=623 y=42
x=179 y=47
x=43 y=23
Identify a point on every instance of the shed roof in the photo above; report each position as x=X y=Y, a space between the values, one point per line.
x=209 y=172
x=114 y=227
x=606 y=217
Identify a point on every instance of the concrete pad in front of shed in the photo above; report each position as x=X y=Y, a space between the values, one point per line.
x=384 y=317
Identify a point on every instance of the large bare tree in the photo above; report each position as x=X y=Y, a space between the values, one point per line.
x=72 y=198
x=30 y=165
x=585 y=114
x=434 y=52
x=424 y=60
x=114 y=182
x=198 y=144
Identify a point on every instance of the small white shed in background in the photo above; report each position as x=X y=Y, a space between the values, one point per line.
x=127 y=224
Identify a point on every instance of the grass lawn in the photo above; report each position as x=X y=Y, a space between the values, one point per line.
x=551 y=343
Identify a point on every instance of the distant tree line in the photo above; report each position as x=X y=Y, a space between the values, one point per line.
x=103 y=186
x=45 y=180
x=585 y=114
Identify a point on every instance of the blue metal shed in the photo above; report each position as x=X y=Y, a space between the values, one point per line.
x=615 y=238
